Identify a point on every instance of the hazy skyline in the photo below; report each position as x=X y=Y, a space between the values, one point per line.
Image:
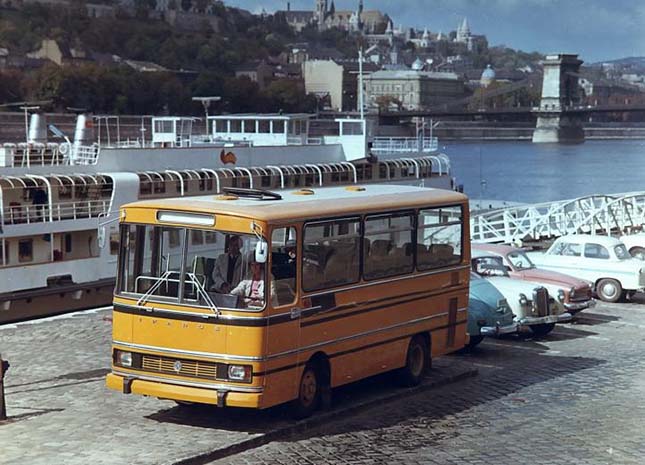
x=597 y=30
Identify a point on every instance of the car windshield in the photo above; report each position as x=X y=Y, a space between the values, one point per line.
x=621 y=252
x=489 y=266
x=520 y=260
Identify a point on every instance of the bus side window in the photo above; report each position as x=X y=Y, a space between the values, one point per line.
x=331 y=250
x=439 y=237
x=284 y=265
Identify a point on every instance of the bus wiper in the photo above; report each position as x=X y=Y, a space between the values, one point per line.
x=164 y=278
x=201 y=291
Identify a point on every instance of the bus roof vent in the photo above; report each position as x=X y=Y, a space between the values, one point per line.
x=355 y=188
x=226 y=197
x=304 y=192
x=247 y=193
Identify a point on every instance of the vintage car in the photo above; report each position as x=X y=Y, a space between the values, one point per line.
x=488 y=311
x=574 y=294
x=531 y=303
x=635 y=244
x=602 y=260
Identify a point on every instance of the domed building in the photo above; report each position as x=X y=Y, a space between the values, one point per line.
x=488 y=76
x=417 y=65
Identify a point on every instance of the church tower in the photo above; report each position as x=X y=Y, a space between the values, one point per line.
x=321 y=13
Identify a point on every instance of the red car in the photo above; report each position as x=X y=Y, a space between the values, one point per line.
x=574 y=294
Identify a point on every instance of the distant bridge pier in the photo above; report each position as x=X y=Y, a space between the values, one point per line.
x=559 y=92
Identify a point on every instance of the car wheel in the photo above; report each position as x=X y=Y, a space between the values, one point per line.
x=609 y=290
x=308 y=393
x=543 y=329
x=474 y=341
x=416 y=362
x=637 y=252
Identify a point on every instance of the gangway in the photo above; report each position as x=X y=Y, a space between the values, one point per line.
x=593 y=214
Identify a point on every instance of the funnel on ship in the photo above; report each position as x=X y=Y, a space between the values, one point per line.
x=37 y=129
x=84 y=131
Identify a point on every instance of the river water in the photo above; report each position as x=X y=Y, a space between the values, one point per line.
x=529 y=173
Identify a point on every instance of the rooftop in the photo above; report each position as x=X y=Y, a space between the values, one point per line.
x=312 y=203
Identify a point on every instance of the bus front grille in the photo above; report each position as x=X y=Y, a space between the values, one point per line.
x=181 y=367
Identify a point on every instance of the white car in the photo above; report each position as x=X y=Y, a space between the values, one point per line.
x=635 y=244
x=531 y=303
x=602 y=260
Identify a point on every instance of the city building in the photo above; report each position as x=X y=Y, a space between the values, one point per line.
x=325 y=16
x=411 y=89
x=335 y=83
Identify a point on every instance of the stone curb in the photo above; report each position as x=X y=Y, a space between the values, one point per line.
x=321 y=418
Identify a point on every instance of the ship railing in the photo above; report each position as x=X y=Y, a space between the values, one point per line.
x=404 y=144
x=86 y=154
x=40 y=213
x=28 y=154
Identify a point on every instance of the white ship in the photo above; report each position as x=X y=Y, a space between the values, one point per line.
x=59 y=202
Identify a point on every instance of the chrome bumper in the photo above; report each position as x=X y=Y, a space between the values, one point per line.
x=499 y=330
x=541 y=320
x=578 y=306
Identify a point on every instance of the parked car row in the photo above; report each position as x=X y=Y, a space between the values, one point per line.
x=511 y=288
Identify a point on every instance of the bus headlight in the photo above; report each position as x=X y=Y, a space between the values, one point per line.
x=240 y=373
x=561 y=295
x=523 y=300
x=123 y=359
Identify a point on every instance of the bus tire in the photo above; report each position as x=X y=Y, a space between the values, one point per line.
x=474 y=341
x=416 y=361
x=309 y=390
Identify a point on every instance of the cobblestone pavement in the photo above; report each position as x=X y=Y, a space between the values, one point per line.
x=60 y=411
x=573 y=397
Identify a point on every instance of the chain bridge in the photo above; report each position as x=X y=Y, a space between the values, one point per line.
x=596 y=214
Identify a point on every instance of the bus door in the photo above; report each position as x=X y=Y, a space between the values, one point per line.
x=284 y=336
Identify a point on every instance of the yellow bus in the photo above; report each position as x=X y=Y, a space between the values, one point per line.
x=253 y=298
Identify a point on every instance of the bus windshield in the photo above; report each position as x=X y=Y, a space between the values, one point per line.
x=197 y=267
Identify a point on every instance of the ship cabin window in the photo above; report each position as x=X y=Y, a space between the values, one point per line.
x=266 y=181
x=145 y=187
x=249 y=126
x=64 y=191
x=278 y=126
x=114 y=243
x=81 y=191
x=221 y=125
x=159 y=186
x=205 y=183
x=25 y=250
x=236 y=125
x=352 y=128
x=164 y=126
x=382 y=171
x=68 y=243
x=264 y=126
x=4 y=252
x=309 y=180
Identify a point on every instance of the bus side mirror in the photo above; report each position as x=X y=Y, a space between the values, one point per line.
x=261 y=253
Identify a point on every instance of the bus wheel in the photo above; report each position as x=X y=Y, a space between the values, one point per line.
x=416 y=362
x=543 y=329
x=308 y=393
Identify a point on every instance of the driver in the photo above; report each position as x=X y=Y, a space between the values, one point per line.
x=227 y=272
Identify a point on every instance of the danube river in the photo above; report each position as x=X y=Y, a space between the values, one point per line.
x=529 y=173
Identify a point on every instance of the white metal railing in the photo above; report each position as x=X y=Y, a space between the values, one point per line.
x=85 y=154
x=29 y=214
x=603 y=214
x=32 y=154
x=404 y=144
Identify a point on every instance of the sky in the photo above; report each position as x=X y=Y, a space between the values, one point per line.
x=597 y=30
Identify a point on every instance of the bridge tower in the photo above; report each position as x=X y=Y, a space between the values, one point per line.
x=559 y=93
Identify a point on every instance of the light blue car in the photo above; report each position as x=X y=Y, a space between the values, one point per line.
x=488 y=311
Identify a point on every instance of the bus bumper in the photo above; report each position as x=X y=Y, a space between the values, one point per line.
x=164 y=390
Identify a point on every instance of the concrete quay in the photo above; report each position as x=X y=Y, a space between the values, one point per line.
x=61 y=412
